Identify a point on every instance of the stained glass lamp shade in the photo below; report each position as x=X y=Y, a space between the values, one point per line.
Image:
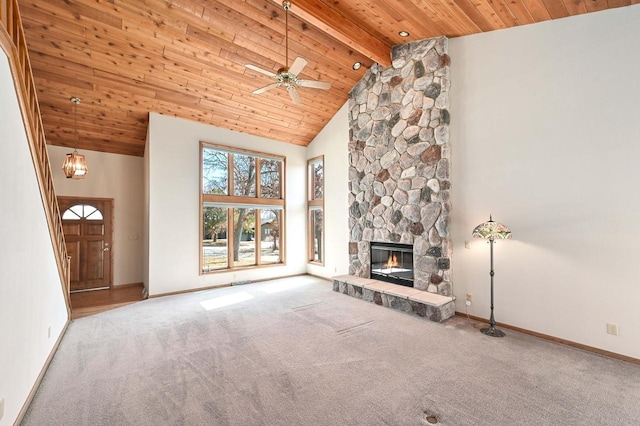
x=491 y=231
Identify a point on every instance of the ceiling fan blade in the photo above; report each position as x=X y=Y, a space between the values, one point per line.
x=293 y=93
x=265 y=88
x=298 y=65
x=324 y=85
x=260 y=70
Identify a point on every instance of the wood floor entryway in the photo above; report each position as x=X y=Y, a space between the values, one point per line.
x=87 y=303
x=88 y=229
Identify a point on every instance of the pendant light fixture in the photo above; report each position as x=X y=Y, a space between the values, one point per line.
x=75 y=165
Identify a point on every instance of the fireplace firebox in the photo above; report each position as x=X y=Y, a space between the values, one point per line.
x=392 y=263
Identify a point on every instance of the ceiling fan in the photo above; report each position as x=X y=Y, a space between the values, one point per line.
x=288 y=77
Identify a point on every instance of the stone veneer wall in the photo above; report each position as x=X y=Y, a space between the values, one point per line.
x=399 y=161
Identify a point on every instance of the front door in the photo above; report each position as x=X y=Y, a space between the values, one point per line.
x=87 y=224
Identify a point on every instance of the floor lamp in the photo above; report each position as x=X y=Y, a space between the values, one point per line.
x=492 y=230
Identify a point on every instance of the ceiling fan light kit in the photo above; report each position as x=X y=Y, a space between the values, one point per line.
x=288 y=77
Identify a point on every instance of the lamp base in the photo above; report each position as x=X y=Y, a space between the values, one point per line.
x=492 y=331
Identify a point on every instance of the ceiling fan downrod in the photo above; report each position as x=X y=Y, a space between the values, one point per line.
x=286 y=5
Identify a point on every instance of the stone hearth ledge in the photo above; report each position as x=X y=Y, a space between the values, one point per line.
x=432 y=306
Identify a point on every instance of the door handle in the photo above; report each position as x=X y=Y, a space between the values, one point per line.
x=105 y=249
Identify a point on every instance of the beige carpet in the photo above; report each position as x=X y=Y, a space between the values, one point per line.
x=293 y=352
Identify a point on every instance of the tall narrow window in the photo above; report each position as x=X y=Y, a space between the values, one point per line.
x=270 y=225
x=215 y=252
x=244 y=175
x=242 y=204
x=315 y=209
x=215 y=172
x=244 y=228
x=270 y=178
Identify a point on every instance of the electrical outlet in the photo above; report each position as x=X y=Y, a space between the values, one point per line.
x=612 y=329
x=469 y=297
x=49 y=333
x=467 y=244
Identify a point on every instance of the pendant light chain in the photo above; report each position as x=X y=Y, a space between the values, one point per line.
x=75 y=125
x=75 y=101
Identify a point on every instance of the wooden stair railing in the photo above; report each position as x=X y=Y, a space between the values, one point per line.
x=13 y=42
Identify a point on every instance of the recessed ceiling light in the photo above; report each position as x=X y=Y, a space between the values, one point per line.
x=403 y=33
x=357 y=65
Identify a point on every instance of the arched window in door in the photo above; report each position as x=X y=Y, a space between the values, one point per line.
x=82 y=211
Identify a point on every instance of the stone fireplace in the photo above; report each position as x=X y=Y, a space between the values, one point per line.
x=399 y=188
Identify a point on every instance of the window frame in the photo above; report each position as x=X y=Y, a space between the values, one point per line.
x=315 y=204
x=232 y=202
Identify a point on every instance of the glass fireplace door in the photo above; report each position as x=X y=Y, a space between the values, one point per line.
x=392 y=263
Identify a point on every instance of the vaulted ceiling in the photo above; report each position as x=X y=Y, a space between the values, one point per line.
x=186 y=58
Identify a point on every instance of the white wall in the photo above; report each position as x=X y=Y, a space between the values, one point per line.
x=544 y=135
x=145 y=225
x=111 y=176
x=332 y=142
x=174 y=212
x=31 y=295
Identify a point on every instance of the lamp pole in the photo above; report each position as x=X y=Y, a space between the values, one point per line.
x=492 y=330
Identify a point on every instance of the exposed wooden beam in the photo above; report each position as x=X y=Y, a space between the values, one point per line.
x=332 y=23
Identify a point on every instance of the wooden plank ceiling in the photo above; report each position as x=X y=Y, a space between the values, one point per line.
x=185 y=58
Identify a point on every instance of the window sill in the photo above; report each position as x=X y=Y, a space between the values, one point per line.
x=242 y=268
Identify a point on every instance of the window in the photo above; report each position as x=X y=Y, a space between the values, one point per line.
x=242 y=208
x=315 y=209
x=82 y=211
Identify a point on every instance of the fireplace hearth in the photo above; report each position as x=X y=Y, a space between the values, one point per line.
x=392 y=263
